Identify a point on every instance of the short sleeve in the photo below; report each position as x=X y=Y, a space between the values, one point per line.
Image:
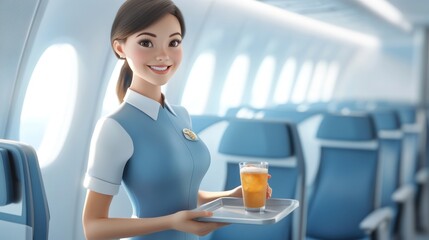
x=111 y=147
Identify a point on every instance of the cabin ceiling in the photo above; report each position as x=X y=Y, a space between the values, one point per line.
x=353 y=15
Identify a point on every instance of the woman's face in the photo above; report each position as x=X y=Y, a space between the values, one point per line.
x=155 y=53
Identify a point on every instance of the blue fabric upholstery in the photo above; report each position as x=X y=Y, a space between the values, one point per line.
x=344 y=191
x=387 y=121
x=290 y=115
x=407 y=114
x=6 y=183
x=273 y=142
x=28 y=180
x=347 y=127
x=255 y=139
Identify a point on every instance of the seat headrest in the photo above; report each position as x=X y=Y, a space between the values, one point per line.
x=290 y=115
x=356 y=127
x=407 y=114
x=386 y=120
x=257 y=138
x=6 y=181
x=201 y=122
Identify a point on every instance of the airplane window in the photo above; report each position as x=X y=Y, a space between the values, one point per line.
x=233 y=89
x=319 y=76
x=198 y=85
x=331 y=81
x=284 y=84
x=263 y=81
x=49 y=102
x=302 y=82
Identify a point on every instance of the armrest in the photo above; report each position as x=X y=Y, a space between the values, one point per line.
x=422 y=176
x=376 y=219
x=403 y=194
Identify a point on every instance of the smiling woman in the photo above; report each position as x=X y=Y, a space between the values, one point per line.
x=146 y=143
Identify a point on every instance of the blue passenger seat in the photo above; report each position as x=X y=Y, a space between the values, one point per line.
x=24 y=212
x=289 y=114
x=390 y=137
x=412 y=168
x=345 y=200
x=201 y=122
x=275 y=142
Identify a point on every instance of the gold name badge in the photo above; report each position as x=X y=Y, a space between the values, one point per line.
x=191 y=136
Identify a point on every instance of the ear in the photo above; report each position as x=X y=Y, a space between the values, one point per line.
x=118 y=48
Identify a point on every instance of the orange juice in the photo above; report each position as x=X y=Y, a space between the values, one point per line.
x=254 y=184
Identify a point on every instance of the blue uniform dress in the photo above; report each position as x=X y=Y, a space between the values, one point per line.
x=144 y=146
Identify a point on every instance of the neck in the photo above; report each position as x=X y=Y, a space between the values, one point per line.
x=150 y=91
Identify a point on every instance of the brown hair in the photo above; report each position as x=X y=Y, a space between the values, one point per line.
x=134 y=16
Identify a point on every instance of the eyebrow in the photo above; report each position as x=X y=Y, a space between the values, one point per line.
x=154 y=35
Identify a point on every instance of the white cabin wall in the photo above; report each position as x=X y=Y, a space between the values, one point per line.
x=85 y=25
x=380 y=74
x=16 y=21
x=246 y=29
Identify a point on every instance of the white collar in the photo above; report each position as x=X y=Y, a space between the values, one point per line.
x=145 y=104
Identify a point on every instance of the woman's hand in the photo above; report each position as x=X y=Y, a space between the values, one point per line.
x=269 y=189
x=184 y=221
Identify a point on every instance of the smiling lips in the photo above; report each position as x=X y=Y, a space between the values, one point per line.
x=160 y=69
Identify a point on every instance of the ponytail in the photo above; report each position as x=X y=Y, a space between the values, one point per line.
x=124 y=81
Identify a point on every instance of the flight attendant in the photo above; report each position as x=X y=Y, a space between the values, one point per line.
x=148 y=144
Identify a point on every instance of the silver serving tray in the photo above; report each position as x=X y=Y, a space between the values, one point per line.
x=231 y=210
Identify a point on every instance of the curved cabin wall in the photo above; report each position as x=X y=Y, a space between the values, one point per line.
x=16 y=21
x=367 y=67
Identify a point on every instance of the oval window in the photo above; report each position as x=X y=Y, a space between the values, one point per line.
x=49 y=102
x=234 y=85
x=262 y=85
x=199 y=83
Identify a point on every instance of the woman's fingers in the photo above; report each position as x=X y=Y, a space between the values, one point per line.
x=269 y=192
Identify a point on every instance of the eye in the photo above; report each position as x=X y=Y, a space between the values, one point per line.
x=175 y=43
x=146 y=43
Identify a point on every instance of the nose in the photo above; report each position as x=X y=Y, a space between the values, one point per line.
x=162 y=55
x=162 y=58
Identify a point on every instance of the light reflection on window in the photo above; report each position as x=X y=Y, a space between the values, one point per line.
x=302 y=83
x=197 y=88
x=319 y=76
x=263 y=81
x=331 y=80
x=49 y=102
x=234 y=85
x=284 y=84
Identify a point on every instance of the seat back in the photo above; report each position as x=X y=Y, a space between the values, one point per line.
x=201 y=122
x=346 y=186
x=25 y=212
x=411 y=147
x=6 y=183
x=390 y=137
x=275 y=142
x=295 y=115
